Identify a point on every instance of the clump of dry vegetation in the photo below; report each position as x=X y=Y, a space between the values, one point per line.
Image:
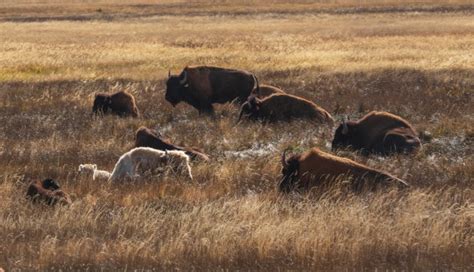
x=415 y=64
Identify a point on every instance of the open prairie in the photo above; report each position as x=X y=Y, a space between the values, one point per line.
x=411 y=58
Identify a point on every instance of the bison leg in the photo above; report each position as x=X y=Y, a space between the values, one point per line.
x=206 y=109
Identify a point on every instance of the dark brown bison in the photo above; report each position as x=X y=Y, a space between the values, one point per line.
x=47 y=191
x=145 y=137
x=377 y=132
x=315 y=168
x=284 y=107
x=202 y=86
x=120 y=103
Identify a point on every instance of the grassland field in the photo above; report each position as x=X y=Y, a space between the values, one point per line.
x=411 y=58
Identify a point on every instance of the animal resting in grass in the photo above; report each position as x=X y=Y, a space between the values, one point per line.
x=47 y=191
x=120 y=103
x=266 y=90
x=92 y=171
x=142 y=160
x=145 y=137
x=202 y=86
x=284 y=107
x=377 y=132
x=317 y=168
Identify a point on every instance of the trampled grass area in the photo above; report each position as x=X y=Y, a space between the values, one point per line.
x=414 y=59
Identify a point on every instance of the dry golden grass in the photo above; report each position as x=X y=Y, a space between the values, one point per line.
x=419 y=65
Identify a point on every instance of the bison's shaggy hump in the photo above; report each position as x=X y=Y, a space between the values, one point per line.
x=377 y=132
x=120 y=103
x=316 y=167
x=284 y=107
x=145 y=137
x=201 y=86
x=266 y=90
x=47 y=191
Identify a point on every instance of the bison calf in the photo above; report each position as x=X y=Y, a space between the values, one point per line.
x=47 y=191
x=284 y=107
x=314 y=168
x=377 y=132
x=145 y=137
x=120 y=103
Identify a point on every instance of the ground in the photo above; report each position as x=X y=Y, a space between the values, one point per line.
x=414 y=59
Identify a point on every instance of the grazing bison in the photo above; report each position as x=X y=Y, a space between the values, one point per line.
x=142 y=160
x=280 y=107
x=201 y=86
x=47 y=191
x=145 y=137
x=315 y=167
x=377 y=132
x=120 y=103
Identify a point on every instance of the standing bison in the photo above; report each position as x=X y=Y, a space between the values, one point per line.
x=202 y=86
x=315 y=168
x=284 y=107
x=120 y=103
x=377 y=132
x=145 y=137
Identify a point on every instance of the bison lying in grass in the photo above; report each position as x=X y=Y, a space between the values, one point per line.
x=284 y=107
x=47 y=191
x=120 y=103
x=315 y=168
x=145 y=137
x=202 y=86
x=377 y=132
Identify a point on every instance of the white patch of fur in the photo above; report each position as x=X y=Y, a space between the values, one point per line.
x=101 y=174
x=92 y=171
x=87 y=169
x=140 y=160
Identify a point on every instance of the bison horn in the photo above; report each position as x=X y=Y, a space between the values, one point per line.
x=256 y=86
x=185 y=78
x=345 y=128
x=283 y=159
x=169 y=73
x=242 y=111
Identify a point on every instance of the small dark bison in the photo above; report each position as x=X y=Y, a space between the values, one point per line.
x=284 y=107
x=377 y=133
x=145 y=137
x=47 y=191
x=120 y=103
x=315 y=168
x=202 y=86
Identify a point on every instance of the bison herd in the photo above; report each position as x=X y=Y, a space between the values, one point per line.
x=379 y=133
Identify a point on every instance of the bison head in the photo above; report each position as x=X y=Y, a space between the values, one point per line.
x=289 y=171
x=344 y=135
x=251 y=107
x=50 y=184
x=176 y=86
x=102 y=103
